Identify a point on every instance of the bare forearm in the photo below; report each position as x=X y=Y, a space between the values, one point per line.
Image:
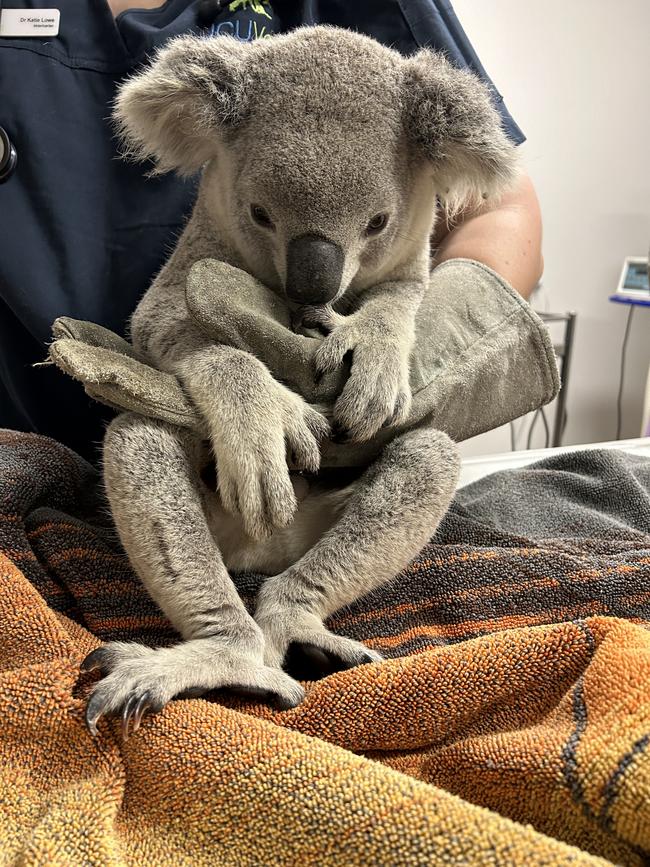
x=117 y=6
x=507 y=238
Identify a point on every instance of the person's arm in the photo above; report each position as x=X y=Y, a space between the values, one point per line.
x=506 y=237
x=117 y=6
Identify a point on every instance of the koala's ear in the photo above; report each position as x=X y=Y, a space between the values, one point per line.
x=450 y=118
x=177 y=108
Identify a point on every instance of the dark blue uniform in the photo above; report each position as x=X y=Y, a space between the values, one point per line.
x=81 y=232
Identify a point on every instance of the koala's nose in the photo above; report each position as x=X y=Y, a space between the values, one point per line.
x=314 y=269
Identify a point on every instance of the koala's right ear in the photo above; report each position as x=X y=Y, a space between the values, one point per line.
x=175 y=111
x=452 y=121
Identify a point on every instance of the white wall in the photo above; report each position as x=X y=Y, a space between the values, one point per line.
x=575 y=75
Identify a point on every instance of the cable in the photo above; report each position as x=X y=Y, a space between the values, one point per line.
x=531 y=429
x=547 y=431
x=619 y=400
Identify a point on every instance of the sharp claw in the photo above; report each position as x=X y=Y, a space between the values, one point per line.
x=94 y=710
x=126 y=716
x=95 y=659
x=141 y=708
x=392 y=419
x=280 y=702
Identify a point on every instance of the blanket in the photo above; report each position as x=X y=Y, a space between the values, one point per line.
x=509 y=724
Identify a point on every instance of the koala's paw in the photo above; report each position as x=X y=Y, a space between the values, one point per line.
x=298 y=641
x=330 y=354
x=138 y=679
x=252 y=462
x=376 y=395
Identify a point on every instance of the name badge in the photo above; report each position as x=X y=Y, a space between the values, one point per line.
x=29 y=22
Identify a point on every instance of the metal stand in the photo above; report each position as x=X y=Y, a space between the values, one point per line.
x=564 y=351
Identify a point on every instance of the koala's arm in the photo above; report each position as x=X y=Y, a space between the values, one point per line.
x=250 y=417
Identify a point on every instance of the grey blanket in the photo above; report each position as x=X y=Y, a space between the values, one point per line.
x=591 y=493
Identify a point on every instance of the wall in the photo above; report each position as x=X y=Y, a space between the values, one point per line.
x=575 y=75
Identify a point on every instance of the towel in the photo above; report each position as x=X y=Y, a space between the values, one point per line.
x=509 y=724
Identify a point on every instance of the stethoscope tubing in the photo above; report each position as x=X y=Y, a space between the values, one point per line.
x=8 y=156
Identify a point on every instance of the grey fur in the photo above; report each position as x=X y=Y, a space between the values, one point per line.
x=324 y=129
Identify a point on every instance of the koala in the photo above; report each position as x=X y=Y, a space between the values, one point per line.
x=324 y=159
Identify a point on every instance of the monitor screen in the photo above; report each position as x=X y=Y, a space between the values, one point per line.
x=637 y=277
x=633 y=281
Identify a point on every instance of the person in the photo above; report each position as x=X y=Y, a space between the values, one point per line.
x=82 y=233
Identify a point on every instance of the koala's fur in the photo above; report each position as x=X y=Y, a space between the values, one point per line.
x=324 y=129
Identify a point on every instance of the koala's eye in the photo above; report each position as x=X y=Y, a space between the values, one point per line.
x=377 y=224
x=261 y=217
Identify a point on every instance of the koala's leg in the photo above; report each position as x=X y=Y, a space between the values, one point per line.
x=391 y=514
x=152 y=479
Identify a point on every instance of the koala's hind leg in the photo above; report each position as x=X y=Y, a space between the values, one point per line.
x=392 y=513
x=152 y=479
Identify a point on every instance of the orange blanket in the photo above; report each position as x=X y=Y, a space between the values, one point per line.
x=514 y=743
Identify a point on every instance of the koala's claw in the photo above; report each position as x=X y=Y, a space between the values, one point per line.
x=377 y=392
x=141 y=679
x=134 y=710
x=401 y=410
x=94 y=710
x=96 y=660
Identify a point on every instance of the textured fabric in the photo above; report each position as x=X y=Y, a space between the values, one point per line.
x=604 y=496
x=475 y=336
x=83 y=233
x=112 y=373
x=509 y=725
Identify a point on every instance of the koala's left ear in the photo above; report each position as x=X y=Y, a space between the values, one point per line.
x=176 y=110
x=451 y=119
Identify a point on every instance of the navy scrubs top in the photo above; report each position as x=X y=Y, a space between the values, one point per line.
x=82 y=233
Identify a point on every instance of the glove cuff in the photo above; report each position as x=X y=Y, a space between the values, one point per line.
x=482 y=357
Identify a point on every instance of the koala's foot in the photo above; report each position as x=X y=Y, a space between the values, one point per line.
x=297 y=640
x=138 y=679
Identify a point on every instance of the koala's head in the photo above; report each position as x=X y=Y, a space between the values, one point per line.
x=324 y=152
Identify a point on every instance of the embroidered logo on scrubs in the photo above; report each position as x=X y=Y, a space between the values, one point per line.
x=256 y=5
x=250 y=20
